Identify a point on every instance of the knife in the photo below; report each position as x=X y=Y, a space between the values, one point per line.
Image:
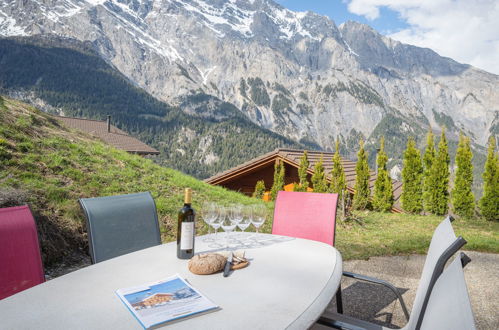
x=228 y=264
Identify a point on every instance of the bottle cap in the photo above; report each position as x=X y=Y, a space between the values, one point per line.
x=188 y=196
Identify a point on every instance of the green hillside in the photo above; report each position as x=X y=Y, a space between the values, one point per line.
x=50 y=167
x=68 y=75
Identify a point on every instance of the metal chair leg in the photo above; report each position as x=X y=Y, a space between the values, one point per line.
x=339 y=301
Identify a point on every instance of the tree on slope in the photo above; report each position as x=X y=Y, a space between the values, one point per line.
x=319 y=177
x=439 y=179
x=302 y=173
x=489 y=203
x=362 y=191
x=428 y=159
x=463 y=201
x=259 y=189
x=278 y=184
x=338 y=180
x=383 y=191
x=412 y=177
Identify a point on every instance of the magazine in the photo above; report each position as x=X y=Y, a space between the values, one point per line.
x=163 y=301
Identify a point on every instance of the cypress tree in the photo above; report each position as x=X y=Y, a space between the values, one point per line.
x=463 y=201
x=362 y=191
x=278 y=184
x=439 y=176
x=338 y=181
x=383 y=191
x=412 y=177
x=259 y=189
x=428 y=159
x=302 y=173
x=319 y=177
x=489 y=203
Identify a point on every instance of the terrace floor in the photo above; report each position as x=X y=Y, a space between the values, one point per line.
x=373 y=303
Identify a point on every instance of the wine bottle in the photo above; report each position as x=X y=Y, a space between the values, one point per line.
x=186 y=228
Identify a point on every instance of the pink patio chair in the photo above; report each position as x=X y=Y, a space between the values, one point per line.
x=20 y=260
x=306 y=215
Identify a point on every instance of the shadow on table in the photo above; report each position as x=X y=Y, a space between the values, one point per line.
x=367 y=301
x=242 y=242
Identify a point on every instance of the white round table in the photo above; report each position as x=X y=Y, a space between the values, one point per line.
x=287 y=285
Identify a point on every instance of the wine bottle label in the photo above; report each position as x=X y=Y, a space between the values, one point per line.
x=187 y=236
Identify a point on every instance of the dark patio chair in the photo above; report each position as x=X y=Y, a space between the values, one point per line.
x=430 y=290
x=118 y=225
x=20 y=260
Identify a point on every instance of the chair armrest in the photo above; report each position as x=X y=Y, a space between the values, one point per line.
x=380 y=282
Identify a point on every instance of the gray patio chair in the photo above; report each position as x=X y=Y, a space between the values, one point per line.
x=443 y=245
x=118 y=225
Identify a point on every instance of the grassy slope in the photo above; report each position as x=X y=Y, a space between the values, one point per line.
x=55 y=166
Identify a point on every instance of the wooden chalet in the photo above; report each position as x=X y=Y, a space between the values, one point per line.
x=243 y=178
x=109 y=134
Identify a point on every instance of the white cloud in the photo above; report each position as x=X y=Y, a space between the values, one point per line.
x=465 y=30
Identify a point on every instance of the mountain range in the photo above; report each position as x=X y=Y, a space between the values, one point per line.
x=296 y=74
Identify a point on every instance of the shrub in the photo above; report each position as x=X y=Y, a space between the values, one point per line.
x=302 y=173
x=489 y=204
x=319 y=180
x=463 y=201
x=259 y=189
x=362 y=190
x=412 y=178
x=383 y=191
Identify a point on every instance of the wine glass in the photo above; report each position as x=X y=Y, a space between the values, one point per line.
x=209 y=213
x=258 y=216
x=227 y=223
x=247 y=215
x=216 y=221
x=236 y=213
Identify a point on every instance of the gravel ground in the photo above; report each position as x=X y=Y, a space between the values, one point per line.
x=378 y=305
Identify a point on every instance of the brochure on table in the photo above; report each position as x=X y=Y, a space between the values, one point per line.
x=163 y=301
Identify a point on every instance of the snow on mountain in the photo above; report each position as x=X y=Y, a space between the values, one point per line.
x=295 y=73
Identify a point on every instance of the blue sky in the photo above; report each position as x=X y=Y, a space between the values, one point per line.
x=388 y=21
x=465 y=30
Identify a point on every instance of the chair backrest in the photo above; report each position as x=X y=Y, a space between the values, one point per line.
x=449 y=305
x=118 y=225
x=306 y=215
x=20 y=260
x=443 y=245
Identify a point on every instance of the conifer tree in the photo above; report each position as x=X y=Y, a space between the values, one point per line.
x=278 y=184
x=338 y=181
x=463 y=201
x=439 y=176
x=302 y=173
x=362 y=191
x=259 y=189
x=383 y=191
x=428 y=159
x=319 y=180
x=489 y=203
x=412 y=178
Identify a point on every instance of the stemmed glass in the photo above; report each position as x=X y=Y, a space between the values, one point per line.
x=216 y=222
x=227 y=223
x=209 y=213
x=235 y=213
x=259 y=214
x=247 y=215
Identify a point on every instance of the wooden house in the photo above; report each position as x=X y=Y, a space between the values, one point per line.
x=243 y=177
x=110 y=134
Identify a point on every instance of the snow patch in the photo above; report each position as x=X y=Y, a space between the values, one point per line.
x=9 y=27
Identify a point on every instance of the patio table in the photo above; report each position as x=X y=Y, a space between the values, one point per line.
x=287 y=285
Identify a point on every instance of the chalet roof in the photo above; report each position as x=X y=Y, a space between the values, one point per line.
x=292 y=157
x=115 y=137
